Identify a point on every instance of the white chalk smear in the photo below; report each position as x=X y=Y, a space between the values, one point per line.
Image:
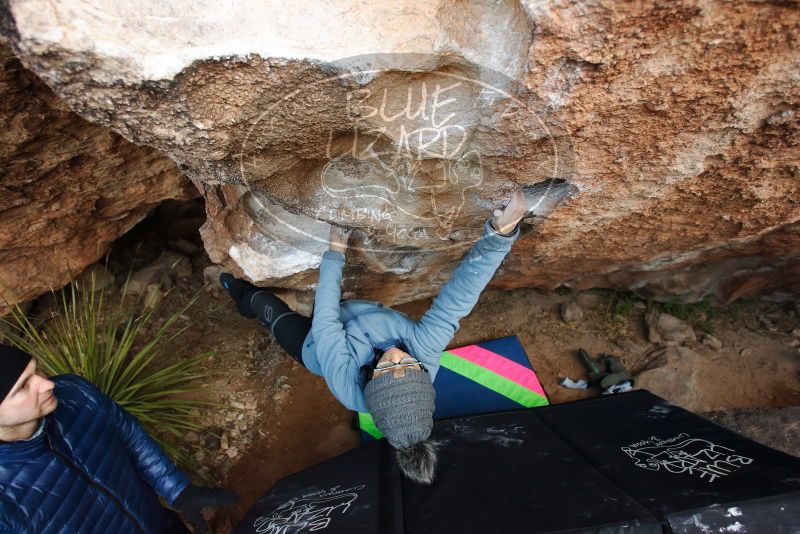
x=736 y=527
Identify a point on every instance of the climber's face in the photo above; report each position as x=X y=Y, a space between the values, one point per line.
x=395 y=360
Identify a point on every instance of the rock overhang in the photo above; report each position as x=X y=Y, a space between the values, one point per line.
x=602 y=81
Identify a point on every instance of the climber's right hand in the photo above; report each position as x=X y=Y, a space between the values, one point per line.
x=506 y=220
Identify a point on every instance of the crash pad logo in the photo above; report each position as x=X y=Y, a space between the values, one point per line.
x=308 y=513
x=683 y=454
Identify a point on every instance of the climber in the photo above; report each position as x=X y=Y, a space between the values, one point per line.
x=375 y=359
x=74 y=461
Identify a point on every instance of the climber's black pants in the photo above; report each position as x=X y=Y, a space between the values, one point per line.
x=287 y=327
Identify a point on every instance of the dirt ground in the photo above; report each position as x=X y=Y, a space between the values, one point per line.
x=274 y=418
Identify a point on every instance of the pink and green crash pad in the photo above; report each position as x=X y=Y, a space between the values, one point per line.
x=492 y=376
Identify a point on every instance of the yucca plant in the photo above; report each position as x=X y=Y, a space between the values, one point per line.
x=117 y=351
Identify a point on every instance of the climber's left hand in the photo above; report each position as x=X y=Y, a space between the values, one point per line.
x=339 y=237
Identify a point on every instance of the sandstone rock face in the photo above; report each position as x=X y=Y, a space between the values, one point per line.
x=778 y=428
x=674 y=124
x=674 y=376
x=69 y=188
x=668 y=331
x=702 y=380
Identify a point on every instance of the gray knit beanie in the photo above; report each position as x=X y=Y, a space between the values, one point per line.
x=402 y=407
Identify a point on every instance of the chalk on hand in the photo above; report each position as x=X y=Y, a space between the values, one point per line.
x=497 y=213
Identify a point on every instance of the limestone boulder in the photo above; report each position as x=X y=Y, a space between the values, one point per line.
x=671 y=130
x=68 y=187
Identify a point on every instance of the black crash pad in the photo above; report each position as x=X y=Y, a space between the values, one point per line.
x=630 y=463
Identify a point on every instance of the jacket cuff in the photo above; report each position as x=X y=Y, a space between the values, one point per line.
x=496 y=239
x=177 y=490
x=333 y=255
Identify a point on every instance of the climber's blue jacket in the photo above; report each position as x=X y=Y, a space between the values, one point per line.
x=344 y=335
x=93 y=469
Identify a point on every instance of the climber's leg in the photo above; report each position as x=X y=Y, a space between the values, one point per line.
x=240 y=291
x=290 y=331
x=289 y=328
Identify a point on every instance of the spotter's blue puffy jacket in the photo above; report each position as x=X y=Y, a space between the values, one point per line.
x=92 y=470
x=345 y=334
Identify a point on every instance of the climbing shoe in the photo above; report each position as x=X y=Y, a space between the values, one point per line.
x=241 y=292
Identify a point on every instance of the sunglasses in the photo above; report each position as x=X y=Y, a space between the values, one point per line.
x=405 y=362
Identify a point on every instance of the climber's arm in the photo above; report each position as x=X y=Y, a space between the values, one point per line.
x=338 y=366
x=459 y=295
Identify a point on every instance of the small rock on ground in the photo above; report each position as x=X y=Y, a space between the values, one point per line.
x=667 y=330
x=572 y=313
